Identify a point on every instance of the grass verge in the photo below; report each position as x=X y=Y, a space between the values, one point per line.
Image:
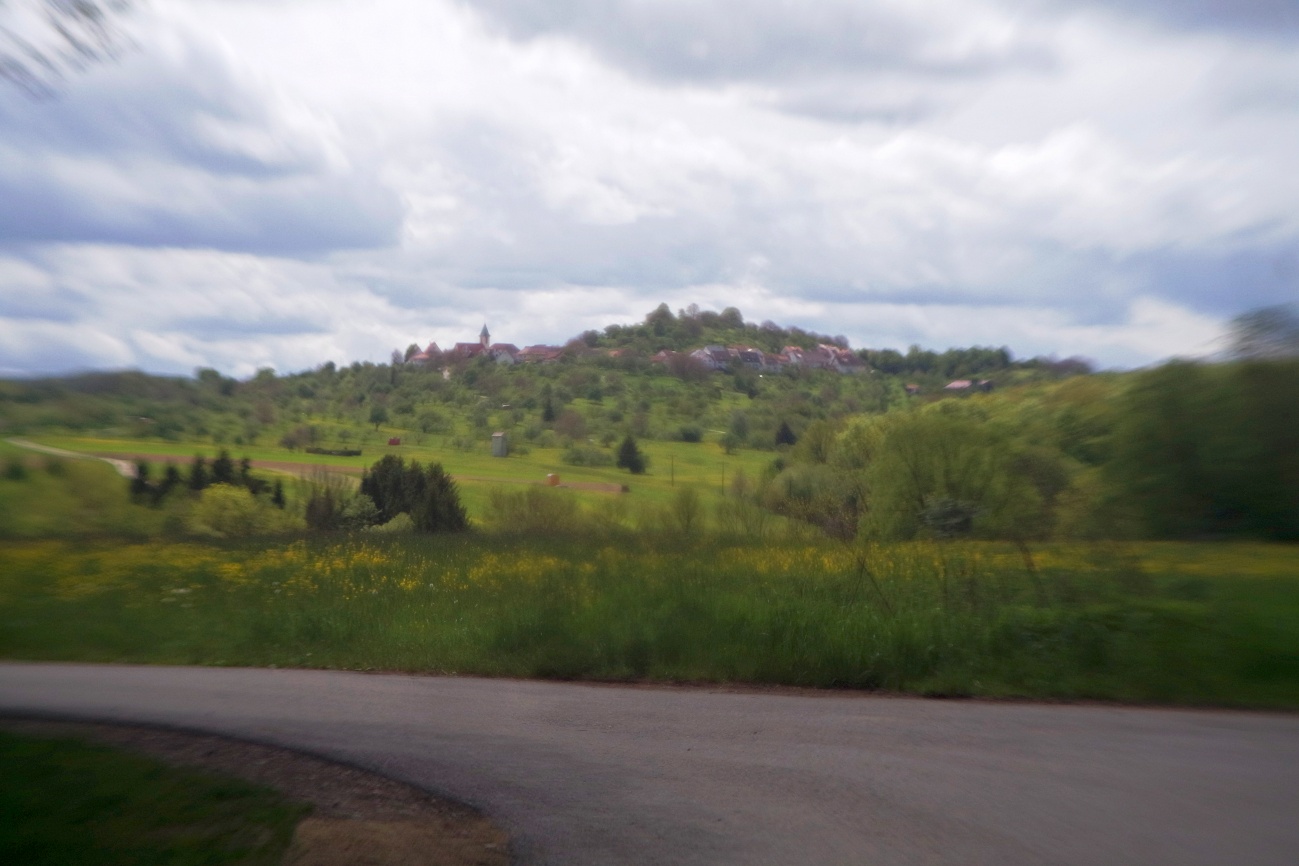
x=64 y=802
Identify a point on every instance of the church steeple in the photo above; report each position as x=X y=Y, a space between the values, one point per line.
x=484 y=337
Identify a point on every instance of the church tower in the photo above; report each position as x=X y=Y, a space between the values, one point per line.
x=485 y=338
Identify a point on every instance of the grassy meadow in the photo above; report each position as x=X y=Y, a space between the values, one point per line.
x=674 y=581
x=673 y=465
x=1157 y=622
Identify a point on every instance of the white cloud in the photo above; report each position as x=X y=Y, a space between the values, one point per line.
x=179 y=145
x=1056 y=178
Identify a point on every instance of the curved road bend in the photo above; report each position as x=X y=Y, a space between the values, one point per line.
x=582 y=774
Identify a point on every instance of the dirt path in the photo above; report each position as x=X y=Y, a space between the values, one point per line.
x=125 y=468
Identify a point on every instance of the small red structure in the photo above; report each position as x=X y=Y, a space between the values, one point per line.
x=396 y=440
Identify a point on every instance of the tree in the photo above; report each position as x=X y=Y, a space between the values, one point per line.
x=630 y=457
x=140 y=483
x=1210 y=450
x=661 y=320
x=198 y=478
x=378 y=415
x=427 y=494
x=171 y=479
x=223 y=468
x=785 y=435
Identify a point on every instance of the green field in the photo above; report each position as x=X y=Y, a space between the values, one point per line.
x=680 y=579
x=65 y=802
x=1162 y=623
x=673 y=465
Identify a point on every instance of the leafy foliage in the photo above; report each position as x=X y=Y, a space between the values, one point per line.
x=427 y=494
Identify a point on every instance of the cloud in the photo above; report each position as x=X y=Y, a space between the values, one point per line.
x=772 y=40
x=173 y=146
x=286 y=183
x=1266 y=19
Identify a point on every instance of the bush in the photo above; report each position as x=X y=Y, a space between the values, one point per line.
x=398 y=525
x=581 y=455
x=427 y=494
x=535 y=510
x=226 y=511
x=690 y=433
x=15 y=469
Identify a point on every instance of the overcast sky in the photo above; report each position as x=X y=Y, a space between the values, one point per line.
x=283 y=182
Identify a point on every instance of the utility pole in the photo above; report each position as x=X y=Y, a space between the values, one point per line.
x=672 y=470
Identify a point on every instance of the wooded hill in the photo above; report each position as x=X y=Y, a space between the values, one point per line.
x=1186 y=449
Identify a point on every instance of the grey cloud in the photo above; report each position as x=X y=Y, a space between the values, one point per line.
x=221 y=328
x=848 y=102
x=755 y=40
x=795 y=246
x=172 y=149
x=1269 y=19
x=1226 y=282
x=57 y=305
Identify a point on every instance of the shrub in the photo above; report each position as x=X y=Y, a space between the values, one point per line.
x=581 y=455
x=534 y=510
x=15 y=469
x=427 y=494
x=690 y=433
x=226 y=511
x=686 y=511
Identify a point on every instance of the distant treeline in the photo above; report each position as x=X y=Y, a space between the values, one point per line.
x=1185 y=450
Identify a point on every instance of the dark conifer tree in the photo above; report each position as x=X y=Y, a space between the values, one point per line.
x=223 y=468
x=198 y=477
x=630 y=457
x=140 y=486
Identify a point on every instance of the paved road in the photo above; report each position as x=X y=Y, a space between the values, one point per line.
x=604 y=775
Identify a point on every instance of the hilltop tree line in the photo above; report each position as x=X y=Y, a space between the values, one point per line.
x=586 y=395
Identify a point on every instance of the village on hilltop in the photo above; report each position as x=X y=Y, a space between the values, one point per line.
x=825 y=356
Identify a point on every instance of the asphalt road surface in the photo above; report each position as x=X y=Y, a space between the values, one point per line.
x=588 y=774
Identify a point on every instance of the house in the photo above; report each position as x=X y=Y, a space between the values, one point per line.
x=749 y=357
x=843 y=360
x=464 y=351
x=430 y=355
x=539 y=354
x=713 y=357
x=467 y=350
x=504 y=353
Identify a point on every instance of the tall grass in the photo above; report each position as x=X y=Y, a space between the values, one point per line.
x=1136 y=623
